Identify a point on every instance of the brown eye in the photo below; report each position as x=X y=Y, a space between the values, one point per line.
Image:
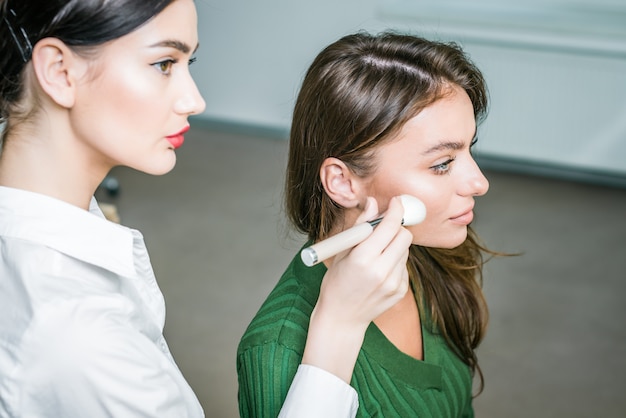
x=164 y=67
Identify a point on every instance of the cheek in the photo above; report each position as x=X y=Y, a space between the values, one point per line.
x=436 y=198
x=433 y=230
x=130 y=95
x=121 y=118
x=133 y=101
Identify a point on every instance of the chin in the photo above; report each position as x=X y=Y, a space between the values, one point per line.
x=460 y=240
x=445 y=240
x=163 y=167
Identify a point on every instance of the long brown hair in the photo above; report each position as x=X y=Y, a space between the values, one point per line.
x=356 y=95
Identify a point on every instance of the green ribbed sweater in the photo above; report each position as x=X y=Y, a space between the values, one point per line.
x=389 y=383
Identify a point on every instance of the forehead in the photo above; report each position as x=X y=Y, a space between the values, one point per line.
x=449 y=119
x=176 y=24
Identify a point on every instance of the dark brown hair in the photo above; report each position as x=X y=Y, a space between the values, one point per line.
x=356 y=95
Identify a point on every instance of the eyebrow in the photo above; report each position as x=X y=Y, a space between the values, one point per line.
x=172 y=43
x=447 y=145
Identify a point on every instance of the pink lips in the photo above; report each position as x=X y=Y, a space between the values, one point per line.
x=178 y=138
x=465 y=218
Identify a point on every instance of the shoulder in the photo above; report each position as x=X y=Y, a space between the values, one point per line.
x=283 y=318
x=42 y=299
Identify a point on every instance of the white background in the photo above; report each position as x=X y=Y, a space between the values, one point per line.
x=556 y=69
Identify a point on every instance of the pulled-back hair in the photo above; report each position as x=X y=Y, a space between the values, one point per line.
x=356 y=96
x=80 y=24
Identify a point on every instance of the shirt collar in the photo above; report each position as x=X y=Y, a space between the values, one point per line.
x=84 y=235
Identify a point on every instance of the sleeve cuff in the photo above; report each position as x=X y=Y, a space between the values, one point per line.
x=315 y=392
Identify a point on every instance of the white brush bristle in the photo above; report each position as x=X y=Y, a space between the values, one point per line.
x=414 y=210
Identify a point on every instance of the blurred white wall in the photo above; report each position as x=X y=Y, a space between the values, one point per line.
x=556 y=69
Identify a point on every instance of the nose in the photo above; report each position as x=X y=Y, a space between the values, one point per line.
x=475 y=183
x=190 y=102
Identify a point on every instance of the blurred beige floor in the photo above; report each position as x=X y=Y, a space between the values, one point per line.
x=556 y=345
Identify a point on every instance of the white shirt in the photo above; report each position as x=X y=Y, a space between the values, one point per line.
x=81 y=323
x=81 y=317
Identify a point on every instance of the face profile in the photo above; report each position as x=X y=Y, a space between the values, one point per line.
x=431 y=159
x=141 y=78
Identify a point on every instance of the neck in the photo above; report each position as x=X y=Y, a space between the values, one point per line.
x=401 y=324
x=48 y=165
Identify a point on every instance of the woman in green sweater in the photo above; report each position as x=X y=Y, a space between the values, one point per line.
x=378 y=117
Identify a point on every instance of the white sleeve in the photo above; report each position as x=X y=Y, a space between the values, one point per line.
x=317 y=393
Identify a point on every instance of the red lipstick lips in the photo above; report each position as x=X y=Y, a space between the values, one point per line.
x=178 y=138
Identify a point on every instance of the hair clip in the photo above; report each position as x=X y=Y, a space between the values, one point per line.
x=24 y=45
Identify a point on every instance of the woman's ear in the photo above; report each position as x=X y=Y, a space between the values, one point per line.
x=340 y=183
x=57 y=70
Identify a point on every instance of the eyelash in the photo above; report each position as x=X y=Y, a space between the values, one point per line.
x=444 y=167
x=168 y=63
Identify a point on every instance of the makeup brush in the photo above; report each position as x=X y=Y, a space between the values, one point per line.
x=414 y=213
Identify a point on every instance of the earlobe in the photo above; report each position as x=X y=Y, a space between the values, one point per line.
x=340 y=183
x=54 y=67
